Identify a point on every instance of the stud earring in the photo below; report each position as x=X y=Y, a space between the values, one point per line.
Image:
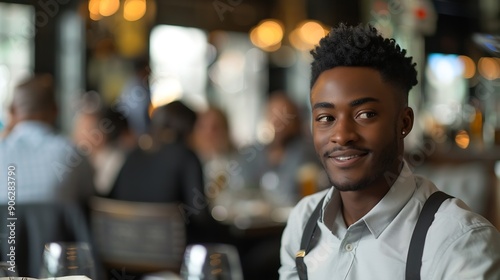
x=403 y=132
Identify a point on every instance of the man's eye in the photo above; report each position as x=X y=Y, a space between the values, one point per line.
x=325 y=119
x=367 y=115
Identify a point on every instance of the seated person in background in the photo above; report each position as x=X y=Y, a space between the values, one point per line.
x=104 y=133
x=276 y=167
x=48 y=167
x=165 y=170
x=213 y=145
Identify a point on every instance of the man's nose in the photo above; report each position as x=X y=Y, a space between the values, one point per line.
x=344 y=132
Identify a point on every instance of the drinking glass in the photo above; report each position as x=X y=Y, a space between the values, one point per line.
x=6 y=270
x=211 y=262
x=67 y=259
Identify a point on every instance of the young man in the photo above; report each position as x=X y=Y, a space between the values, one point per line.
x=359 y=100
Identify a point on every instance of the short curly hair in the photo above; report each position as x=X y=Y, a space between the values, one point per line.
x=362 y=45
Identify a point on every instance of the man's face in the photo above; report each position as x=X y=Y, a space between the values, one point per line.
x=358 y=121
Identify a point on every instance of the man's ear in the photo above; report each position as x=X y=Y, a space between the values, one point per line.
x=407 y=119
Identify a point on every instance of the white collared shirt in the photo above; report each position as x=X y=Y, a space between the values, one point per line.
x=46 y=166
x=459 y=244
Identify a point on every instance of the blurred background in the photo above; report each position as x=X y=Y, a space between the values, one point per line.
x=232 y=54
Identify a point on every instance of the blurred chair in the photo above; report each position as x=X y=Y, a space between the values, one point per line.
x=37 y=224
x=141 y=237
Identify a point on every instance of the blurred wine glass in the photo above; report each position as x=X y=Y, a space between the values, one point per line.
x=6 y=270
x=67 y=259
x=211 y=262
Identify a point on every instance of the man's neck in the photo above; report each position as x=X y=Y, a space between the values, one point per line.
x=356 y=204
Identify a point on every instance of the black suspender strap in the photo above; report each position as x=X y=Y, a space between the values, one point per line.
x=414 y=259
x=305 y=244
x=415 y=252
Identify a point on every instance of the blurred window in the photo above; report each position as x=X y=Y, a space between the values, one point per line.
x=17 y=30
x=221 y=68
x=178 y=64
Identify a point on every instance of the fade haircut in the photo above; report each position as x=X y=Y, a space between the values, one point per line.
x=363 y=46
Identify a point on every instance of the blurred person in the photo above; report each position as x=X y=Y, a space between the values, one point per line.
x=277 y=166
x=104 y=132
x=363 y=224
x=164 y=169
x=273 y=171
x=211 y=135
x=135 y=99
x=48 y=167
x=213 y=144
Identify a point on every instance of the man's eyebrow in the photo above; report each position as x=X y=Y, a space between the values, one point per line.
x=357 y=102
x=320 y=105
x=360 y=101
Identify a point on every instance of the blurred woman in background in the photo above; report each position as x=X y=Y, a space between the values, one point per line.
x=164 y=169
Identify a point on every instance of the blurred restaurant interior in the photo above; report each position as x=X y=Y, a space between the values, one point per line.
x=233 y=54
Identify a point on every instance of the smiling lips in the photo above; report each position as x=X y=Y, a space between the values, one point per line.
x=347 y=158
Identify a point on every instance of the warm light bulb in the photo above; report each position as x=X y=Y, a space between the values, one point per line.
x=489 y=68
x=462 y=139
x=94 y=9
x=311 y=32
x=267 y=35
x=108 y=7
x=134 y=9
x=469 y=66
x=270 y=33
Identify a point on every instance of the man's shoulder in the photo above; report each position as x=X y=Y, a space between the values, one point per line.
x=455 y=214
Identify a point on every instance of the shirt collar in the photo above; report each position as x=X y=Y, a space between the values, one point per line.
x=29 y=130
x=383 y=213
x=391 y=204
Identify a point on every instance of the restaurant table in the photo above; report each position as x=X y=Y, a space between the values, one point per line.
x=255 y=225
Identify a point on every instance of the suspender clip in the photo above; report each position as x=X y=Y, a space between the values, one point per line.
x=300 y=254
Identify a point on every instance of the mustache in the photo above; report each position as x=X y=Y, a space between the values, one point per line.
x=344 y=149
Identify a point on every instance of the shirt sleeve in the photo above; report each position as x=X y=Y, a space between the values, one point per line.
x=292 y=235
x=290 y=243
x=473 y=255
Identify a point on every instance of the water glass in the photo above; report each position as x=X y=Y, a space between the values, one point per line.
x=211 y=262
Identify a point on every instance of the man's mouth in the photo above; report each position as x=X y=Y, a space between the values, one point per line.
x=347 y=158
x=344 y=158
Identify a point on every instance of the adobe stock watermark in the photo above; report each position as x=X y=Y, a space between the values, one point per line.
x=223 y=6
x=11 y=218
x=46 y=10
x=414 y=159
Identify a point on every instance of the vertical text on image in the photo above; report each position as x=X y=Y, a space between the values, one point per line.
x=11 y=216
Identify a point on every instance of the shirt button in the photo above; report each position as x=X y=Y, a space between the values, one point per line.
x=349 y=247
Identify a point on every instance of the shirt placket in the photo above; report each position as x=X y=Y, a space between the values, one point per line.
x=347 y=250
